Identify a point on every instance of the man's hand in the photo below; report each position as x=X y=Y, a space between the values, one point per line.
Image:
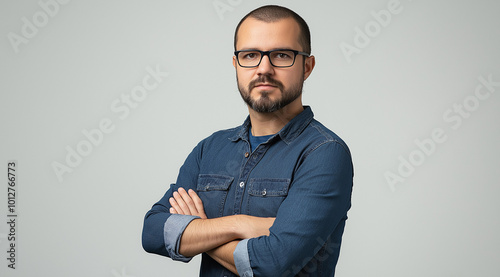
x=187 y=203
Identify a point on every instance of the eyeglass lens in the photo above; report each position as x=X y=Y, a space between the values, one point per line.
x=278 y=58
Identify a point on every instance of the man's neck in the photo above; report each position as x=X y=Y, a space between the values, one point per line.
x=264 y=124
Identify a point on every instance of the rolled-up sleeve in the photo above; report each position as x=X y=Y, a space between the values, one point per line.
x=241 y=259
x=172 y=234
x=163 y=231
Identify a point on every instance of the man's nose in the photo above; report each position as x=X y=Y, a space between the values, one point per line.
x=265 y=67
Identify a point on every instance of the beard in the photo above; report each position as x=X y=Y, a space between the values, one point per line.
x=264 y=104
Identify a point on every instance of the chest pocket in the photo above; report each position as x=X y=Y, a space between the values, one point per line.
x=212 y=189
x=265 y=196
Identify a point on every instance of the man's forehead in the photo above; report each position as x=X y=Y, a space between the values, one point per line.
x=257 y=34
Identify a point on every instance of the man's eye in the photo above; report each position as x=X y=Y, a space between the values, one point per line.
x=250 y=56
x=282 y=55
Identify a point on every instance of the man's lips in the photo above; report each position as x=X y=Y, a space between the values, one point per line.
x=265 y=86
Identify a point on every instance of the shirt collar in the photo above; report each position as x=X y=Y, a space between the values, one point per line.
x=288 y=133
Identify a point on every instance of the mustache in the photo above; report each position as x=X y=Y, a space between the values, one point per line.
x=265 y=79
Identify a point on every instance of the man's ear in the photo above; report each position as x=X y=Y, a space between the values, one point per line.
x=309 y=64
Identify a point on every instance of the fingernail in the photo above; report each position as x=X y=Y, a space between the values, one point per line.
x=172 y=210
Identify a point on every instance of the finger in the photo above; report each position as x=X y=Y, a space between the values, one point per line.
x=188 y=201
x=181 y=206
x=173 y=211
x=175 y=206
x=183 y=209
x=197 y=201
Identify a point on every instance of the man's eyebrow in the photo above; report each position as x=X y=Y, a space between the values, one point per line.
x=255 y=48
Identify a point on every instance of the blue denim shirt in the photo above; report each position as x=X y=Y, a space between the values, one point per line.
x=302 y=176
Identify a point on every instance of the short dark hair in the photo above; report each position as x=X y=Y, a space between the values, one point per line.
x=273 y=13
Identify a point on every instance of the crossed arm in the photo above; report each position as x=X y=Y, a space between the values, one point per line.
x=217 y=237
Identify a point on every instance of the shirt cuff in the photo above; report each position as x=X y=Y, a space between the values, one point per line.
x=172 y=233
x=241 y=259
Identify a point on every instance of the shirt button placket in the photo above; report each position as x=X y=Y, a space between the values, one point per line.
x=249 y=164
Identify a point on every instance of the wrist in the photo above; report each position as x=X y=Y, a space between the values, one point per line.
x=238 y=226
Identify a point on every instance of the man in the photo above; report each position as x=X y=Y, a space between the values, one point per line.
x=270 y=197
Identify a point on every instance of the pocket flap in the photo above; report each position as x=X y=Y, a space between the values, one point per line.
x=268 y=187
x=208 y=182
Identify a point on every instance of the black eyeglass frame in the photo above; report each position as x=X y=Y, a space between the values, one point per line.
x=267 y=53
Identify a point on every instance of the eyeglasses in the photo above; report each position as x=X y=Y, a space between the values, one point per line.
x=278 y=57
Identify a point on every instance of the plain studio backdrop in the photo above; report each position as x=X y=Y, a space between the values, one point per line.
x=101 y=102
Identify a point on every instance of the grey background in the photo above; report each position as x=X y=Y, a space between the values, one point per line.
x=442 y=220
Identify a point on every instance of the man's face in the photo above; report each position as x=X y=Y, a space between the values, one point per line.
x=266 y=88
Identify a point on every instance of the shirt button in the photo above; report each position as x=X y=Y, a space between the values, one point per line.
x=242 y=184
x=247 y=154
x=264 y=192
